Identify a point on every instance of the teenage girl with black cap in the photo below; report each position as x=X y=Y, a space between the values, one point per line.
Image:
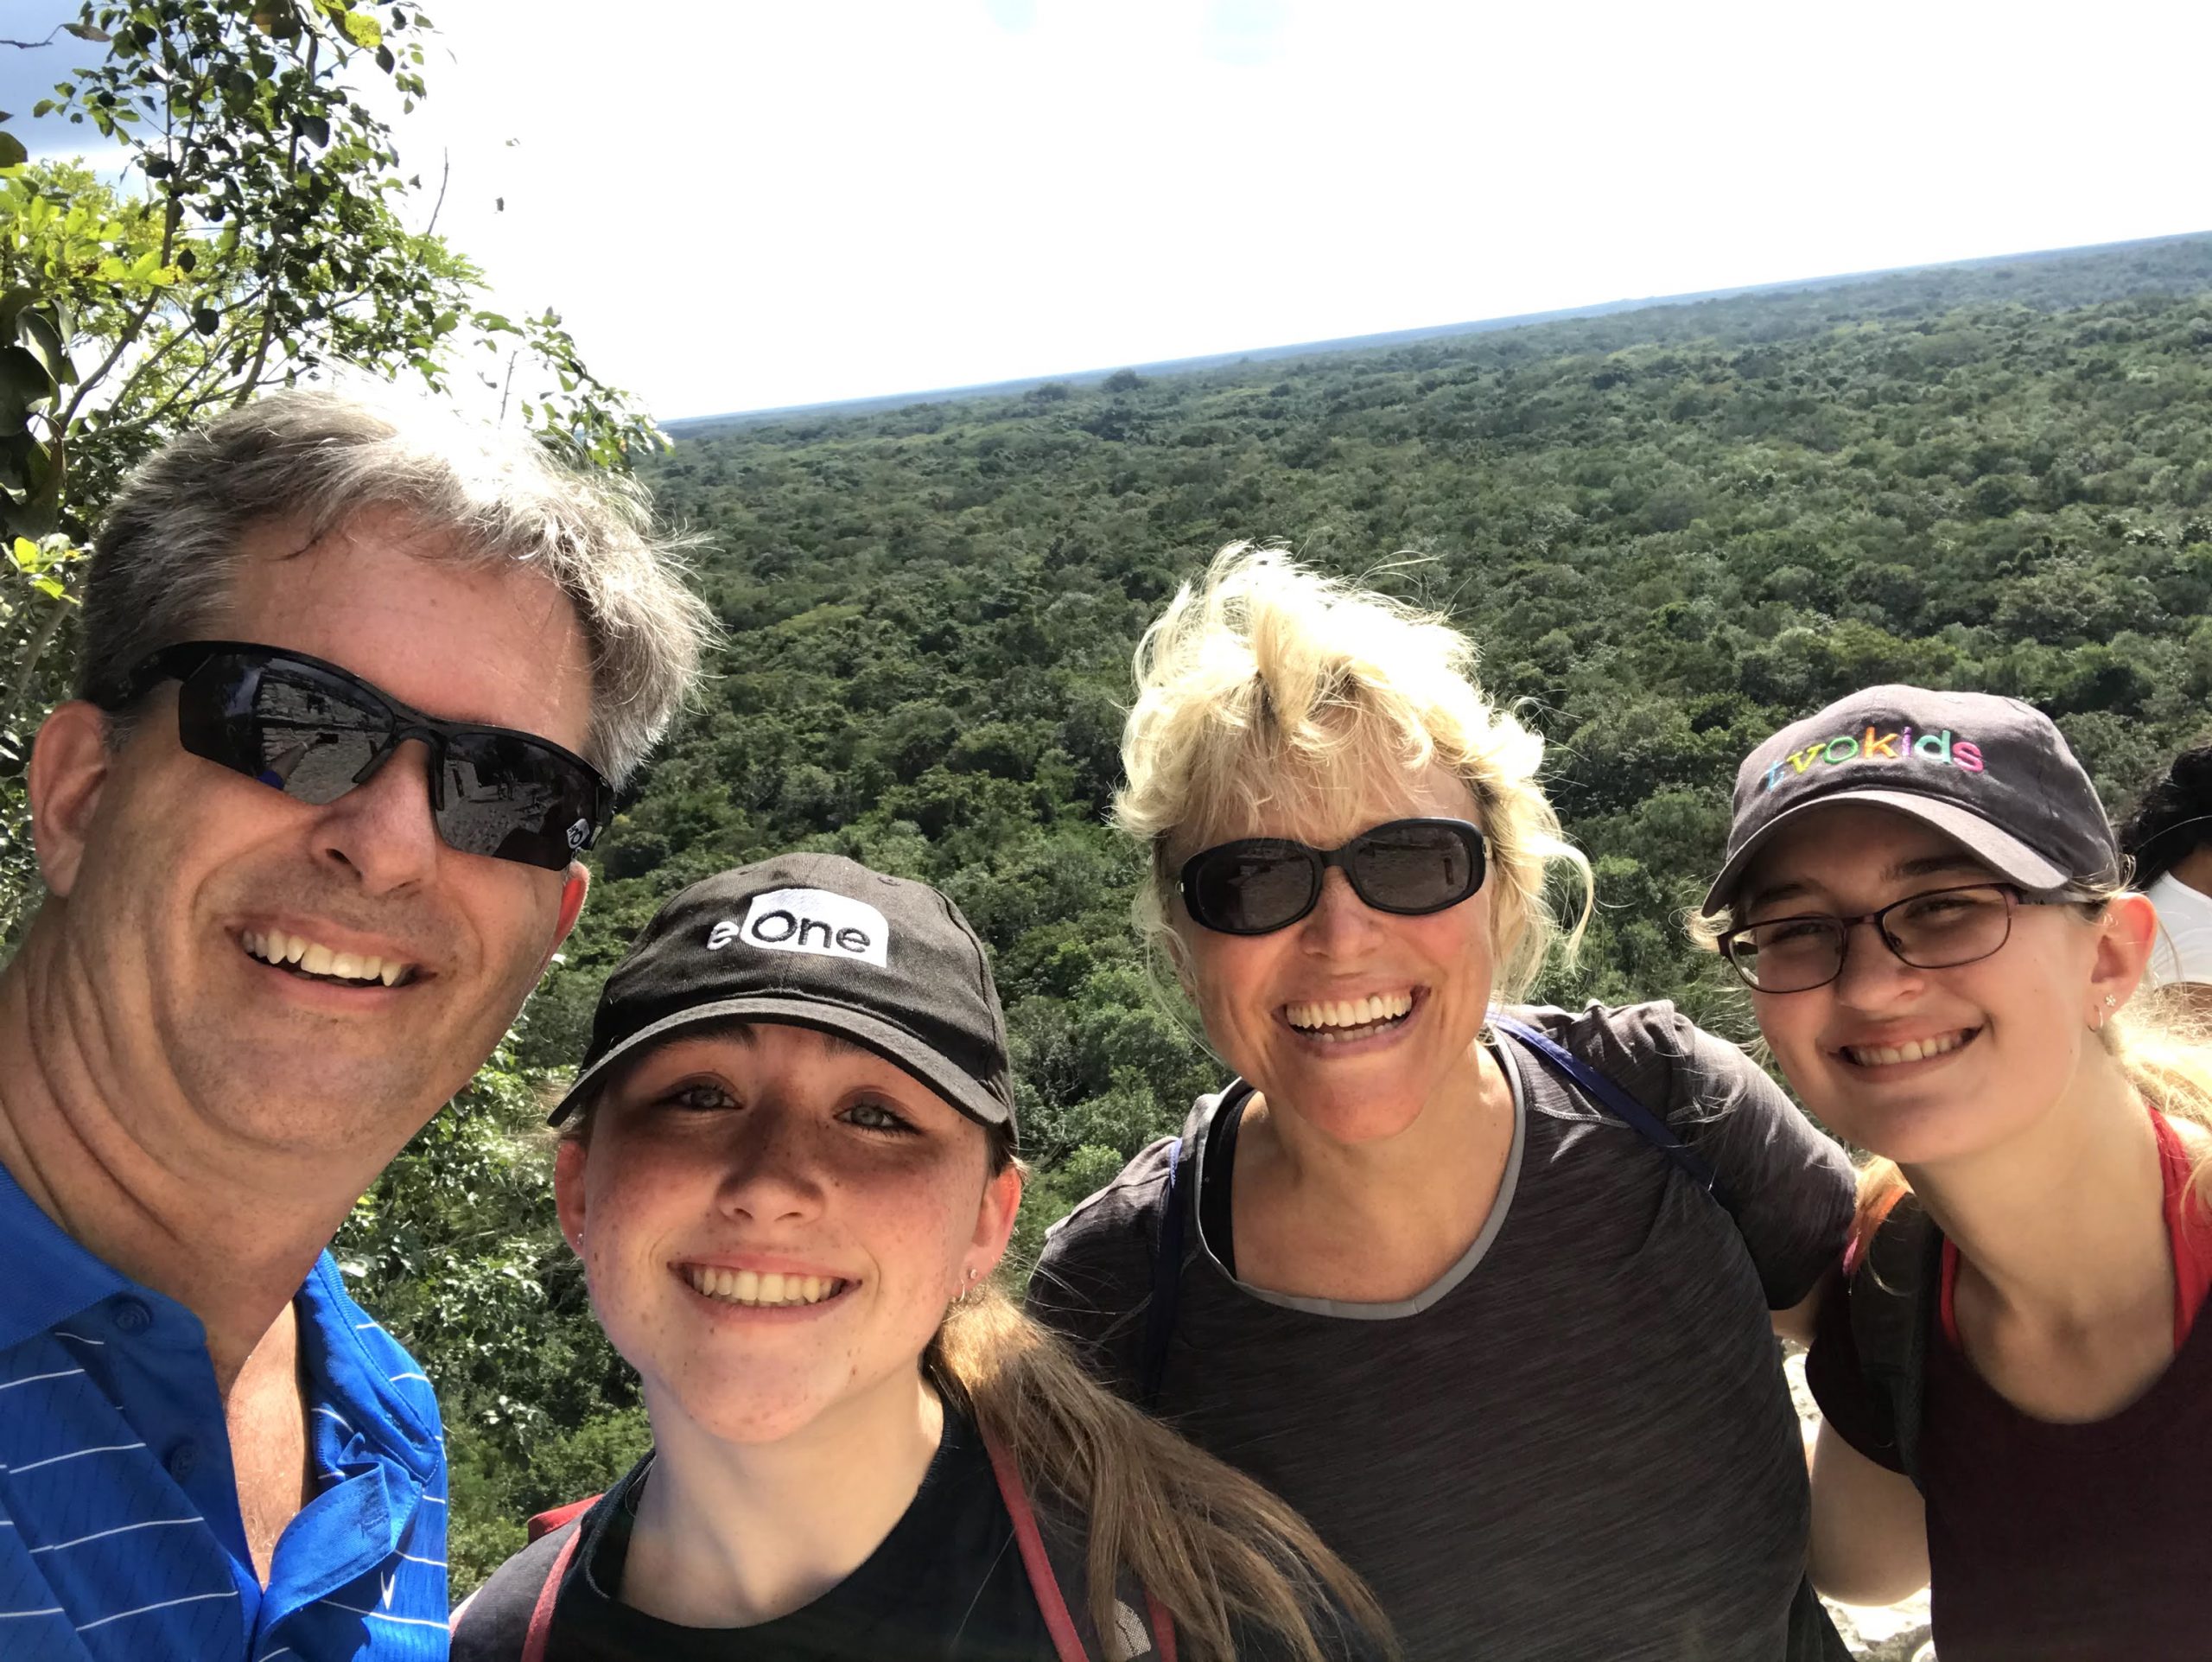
x=1923 y=895
x=788 y=1165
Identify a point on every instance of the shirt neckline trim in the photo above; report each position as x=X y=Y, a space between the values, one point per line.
x=1391 y=1309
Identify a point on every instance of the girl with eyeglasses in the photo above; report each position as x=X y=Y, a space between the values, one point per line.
x=788 y=1166
x=1924 y=897
x=1488 y=1292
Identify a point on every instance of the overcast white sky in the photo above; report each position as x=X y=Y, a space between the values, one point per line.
x=738 y=205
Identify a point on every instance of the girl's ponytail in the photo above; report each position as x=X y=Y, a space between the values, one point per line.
x=1214 y=1548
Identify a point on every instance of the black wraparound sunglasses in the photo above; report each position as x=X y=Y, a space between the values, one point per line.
x=1259 y=884
x=314 y=731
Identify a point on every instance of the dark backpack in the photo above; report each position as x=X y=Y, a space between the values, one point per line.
x=1895 y=1291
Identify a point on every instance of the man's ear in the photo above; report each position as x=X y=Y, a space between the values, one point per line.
x=576 y=884
x=70 y=761
x=569 y=1161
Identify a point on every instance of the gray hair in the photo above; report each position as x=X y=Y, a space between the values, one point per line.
x=163 y=564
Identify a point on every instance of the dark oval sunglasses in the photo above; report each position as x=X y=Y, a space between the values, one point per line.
x=1259 y=884
x=314 y=731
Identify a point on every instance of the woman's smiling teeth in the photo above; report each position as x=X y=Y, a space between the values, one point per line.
x=760 y=1292
x=1913 y=1050
x=307 y=957
x=1334 y=1020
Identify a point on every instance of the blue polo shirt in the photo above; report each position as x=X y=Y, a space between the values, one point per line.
x=120 y=1536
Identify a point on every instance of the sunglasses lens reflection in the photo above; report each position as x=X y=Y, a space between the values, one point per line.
x=315 y=734
x=1251 y=887
x=1413 y=868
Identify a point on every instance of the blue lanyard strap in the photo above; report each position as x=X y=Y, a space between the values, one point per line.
x=1624 y=1107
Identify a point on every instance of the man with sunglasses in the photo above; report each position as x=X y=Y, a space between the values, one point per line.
x=359 y=687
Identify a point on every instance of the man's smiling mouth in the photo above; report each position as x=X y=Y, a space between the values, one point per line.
x=1913 y=1050
x=315 y=962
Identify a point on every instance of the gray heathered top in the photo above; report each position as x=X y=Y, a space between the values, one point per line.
x=1577 y=1445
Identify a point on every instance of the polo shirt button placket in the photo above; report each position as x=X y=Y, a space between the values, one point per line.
x=183 y=1459
x=133 y=1316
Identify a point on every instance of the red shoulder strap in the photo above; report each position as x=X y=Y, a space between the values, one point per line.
x=1042 y=1582
x=541 y=1613
x=1067 y=1643
x=544 y=1523
x=1163 y=1627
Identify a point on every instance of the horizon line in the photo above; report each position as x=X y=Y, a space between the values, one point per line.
x=1384 y=337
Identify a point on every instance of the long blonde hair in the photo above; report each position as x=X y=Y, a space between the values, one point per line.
x=1218 y=1551
x=1268 y=685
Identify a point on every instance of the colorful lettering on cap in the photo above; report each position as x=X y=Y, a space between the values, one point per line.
x=809 y=921
x=1900 y=747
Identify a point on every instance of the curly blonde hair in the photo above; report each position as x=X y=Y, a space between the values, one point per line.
x=1267 y=686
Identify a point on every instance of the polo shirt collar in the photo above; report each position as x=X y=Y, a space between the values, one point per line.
x=353 y=1377
x=50 y=1277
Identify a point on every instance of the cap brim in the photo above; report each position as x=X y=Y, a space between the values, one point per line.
x=896 y=1045
x=2003 y=852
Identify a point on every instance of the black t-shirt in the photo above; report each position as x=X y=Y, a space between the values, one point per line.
x=947 y=1583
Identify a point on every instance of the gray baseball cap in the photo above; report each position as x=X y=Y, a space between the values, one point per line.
x=1992 y=773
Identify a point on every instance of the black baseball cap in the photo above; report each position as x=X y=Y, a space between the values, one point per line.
x=816 y=940
x=1992 y=773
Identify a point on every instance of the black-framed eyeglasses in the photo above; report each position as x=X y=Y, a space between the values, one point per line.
x=1259 y=884
x=1938 y=930
x=314 y=731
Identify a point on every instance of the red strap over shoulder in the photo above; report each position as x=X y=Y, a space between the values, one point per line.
x=1066 y=1643
x=1163 y=1625
x=541 y=1613
x=546 y=1522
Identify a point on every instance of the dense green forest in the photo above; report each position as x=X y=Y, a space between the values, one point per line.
x=1671 y=529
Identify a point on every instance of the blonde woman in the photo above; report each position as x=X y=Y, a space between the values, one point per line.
x=1487 y=1292
x=1922 y=894
x=789 y=1169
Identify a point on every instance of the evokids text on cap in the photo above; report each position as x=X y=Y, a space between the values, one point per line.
x=1992 y=773
x=815 y=940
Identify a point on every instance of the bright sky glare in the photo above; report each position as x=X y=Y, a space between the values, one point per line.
x=738 y=205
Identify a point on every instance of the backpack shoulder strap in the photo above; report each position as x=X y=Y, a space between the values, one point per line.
x=510 y=1618
x=1617 y=1102
x=1894 y=1291
x=1167 y=1284
x=1055 y=1562
x=1176 y=1204
x=541 y=1613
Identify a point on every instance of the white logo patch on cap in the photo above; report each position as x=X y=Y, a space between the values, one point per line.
x=810 y=920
